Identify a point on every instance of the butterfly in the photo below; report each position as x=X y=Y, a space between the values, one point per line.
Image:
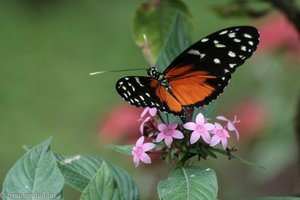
x=195 y=77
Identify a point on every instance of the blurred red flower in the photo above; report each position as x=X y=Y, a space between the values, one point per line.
x=253 y=118
x=276 y=33
x=121 y=125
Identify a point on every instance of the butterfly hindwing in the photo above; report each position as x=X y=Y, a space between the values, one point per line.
x=147 y=92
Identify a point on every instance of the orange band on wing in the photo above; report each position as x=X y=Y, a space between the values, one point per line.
x=191 y=90
x=166 y=97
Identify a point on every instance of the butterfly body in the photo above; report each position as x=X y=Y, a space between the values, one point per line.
x=195 y=77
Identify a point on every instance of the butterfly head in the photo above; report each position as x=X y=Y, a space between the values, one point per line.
x=154 y=73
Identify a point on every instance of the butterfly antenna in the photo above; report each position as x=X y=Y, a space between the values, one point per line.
x=117 y=70
x=146 y=51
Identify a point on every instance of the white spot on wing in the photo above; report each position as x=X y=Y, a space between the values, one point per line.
x=251 y=43
x=133 y=88
x=204 y=40
x=232 y=65
x=194 y=52
x=246 y=35
x=231 y=54
x=217 y=61
x=243 y=48
x=232 y=35
x=236 y=40
x=220 y=45
x=138 y=81
x=223 y=32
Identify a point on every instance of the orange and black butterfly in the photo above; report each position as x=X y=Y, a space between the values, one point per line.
x=195 y=77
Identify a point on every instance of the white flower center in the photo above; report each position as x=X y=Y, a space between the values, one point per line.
x=167 y=132
x=139 y=150
x=220 y=133
x=199 y=128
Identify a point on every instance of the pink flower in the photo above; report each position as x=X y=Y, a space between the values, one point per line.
x=200 y=129
x=168 y=132
x=152 y=112
x=142 y=126
x=230 y=124
x=148 y=127
x=219 y=135
x=138 y=151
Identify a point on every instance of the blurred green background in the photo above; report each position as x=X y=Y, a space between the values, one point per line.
x=48 y=47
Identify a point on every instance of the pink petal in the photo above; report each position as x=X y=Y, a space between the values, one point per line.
x=133 y=151
x=222 y=118
x=214 y=140
x=152 y=111
x=209 y=126
x=160 y=137
x=194 y=137
x=173 y=125
x=226 y=134
x=177 y=134
x=168 y=141
x=206 y=136
x=140 y=141
x=136 y=160
x=143 y=125
x=148 y=146
x=162 y=127
x=218 y=126
x=224 y=143
x=144 y=112
x=230 y=126
x=190 y=126
x=200 y=119
x=237 y=135
x=145 y=158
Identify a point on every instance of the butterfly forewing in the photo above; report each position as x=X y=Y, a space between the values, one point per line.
x=216 y=56
x=227 y=48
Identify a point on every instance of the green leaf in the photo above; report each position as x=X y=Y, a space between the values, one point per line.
x=79 y=171
x=155 y=20
x=123 y=149
x=189 y=183
x=238 y=158
x=276 y=198
x=35 y=173
x=176 y=42
x=102 y=186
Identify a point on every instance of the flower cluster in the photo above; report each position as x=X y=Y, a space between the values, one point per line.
x=168 y=135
